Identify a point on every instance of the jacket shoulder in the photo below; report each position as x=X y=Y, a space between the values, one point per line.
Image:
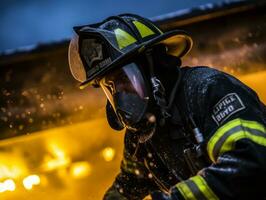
x=195 y=76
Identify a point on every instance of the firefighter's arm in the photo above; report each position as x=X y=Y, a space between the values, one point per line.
x=233 y=120
x=132 y=183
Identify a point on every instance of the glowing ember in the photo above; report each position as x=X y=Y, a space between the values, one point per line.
x=80 y=169
x=30 y=181
x=108 y=154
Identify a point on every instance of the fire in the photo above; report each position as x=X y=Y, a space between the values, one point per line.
x=30 y=181
x=7 y=185
x=66 y=161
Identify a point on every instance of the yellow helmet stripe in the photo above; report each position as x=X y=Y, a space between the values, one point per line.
x=143 y=29
x=123 y=38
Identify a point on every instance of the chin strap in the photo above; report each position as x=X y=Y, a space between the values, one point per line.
x=158 y=91
x=159 y=96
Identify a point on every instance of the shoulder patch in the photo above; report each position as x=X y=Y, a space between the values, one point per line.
x=226 y=107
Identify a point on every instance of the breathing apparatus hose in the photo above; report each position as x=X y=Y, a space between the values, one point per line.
x=158 y=90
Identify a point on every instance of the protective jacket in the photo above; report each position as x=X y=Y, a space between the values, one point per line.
x=229 y=164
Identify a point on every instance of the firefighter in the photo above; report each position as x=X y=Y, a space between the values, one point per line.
x=191 y=132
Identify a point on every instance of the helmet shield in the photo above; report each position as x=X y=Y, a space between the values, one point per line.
x=75 y=63
x=126 y=90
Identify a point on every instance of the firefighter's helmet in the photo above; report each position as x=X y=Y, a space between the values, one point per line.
x=97 y=48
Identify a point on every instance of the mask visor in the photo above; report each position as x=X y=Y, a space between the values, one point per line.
x=126 y=90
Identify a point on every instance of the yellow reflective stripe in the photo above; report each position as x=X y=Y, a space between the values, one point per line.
x=196 y=188
x=253 y=125
x=225 y=137
x=143 y=29
x=204 y=188
x=218 y=134
x=123 y=38
x=229 y=143
x=185 y=191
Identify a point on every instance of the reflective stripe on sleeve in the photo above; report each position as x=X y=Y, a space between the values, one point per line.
x=225 y=137
x=196 y=188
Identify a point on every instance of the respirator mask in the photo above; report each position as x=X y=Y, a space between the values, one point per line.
x=136 y=97
x=129 y=100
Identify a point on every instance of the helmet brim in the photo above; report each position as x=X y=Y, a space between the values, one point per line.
x=178 y=44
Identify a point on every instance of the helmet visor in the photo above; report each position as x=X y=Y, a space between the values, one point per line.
x=75 y=63
x=126 y=90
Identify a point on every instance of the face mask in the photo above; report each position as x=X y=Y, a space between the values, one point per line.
x=127 y=93
x=129 y=107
